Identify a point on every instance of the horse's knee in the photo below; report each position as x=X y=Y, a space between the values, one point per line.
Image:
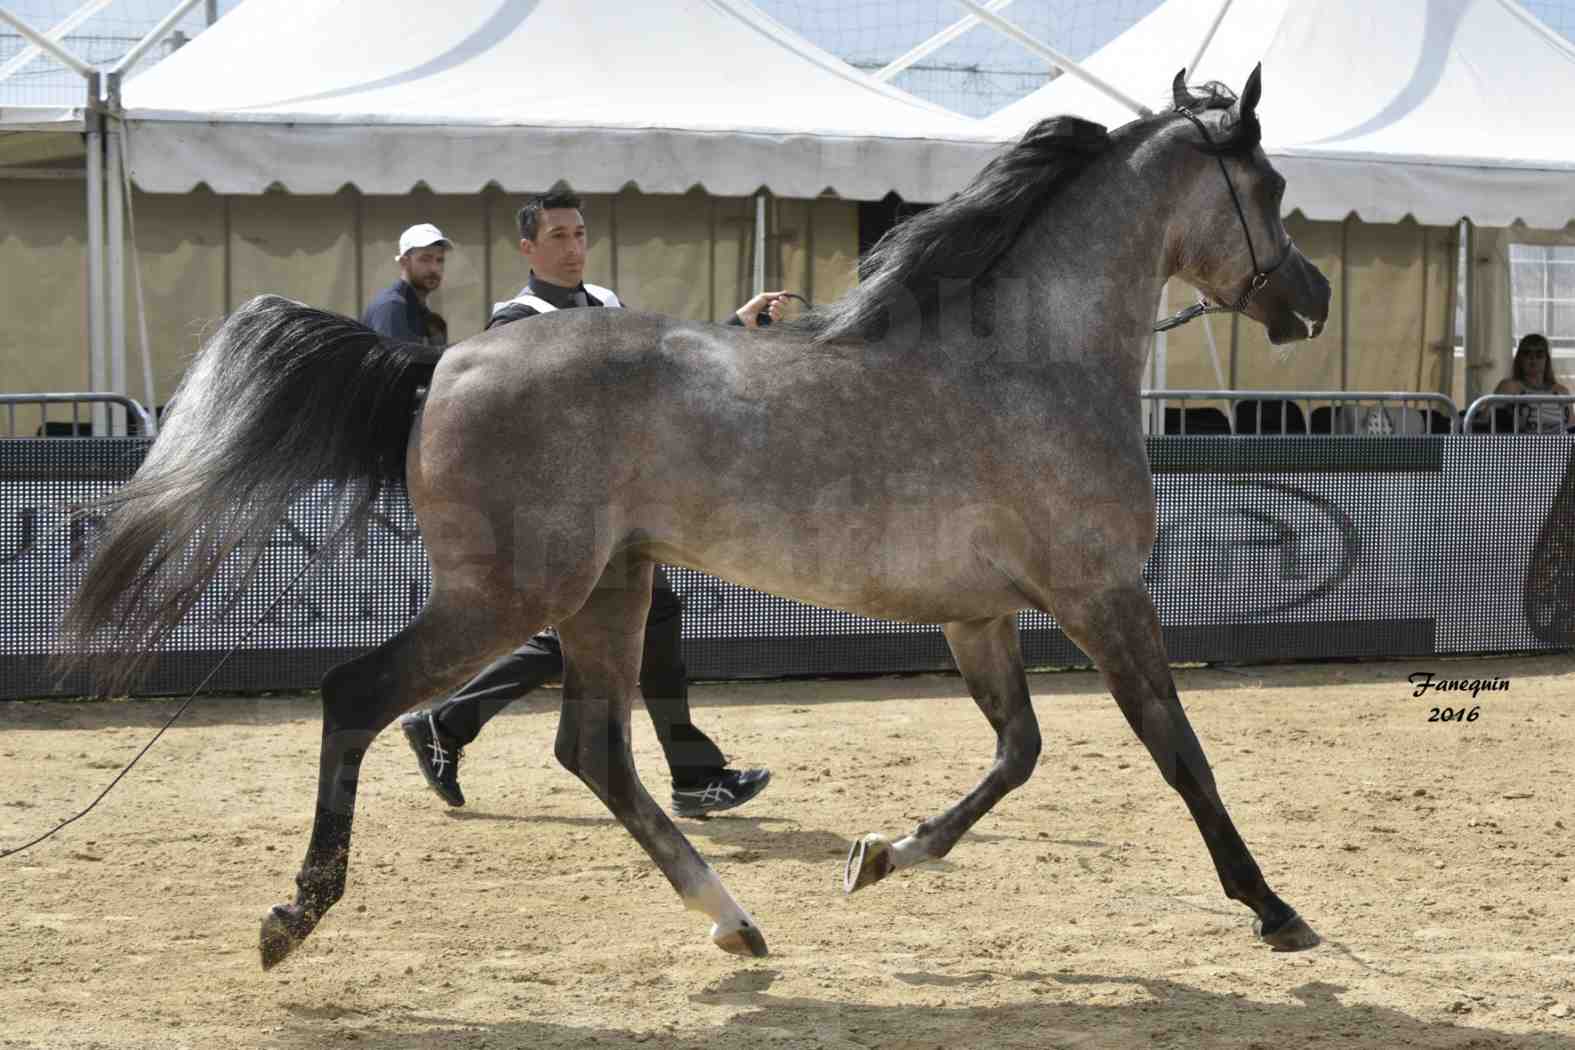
x=347 y=693
x=1020 y=749
x=566 y=749
x=606 y=767
x=339 y=683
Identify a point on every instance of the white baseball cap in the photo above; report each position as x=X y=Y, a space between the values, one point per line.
x=421 y=235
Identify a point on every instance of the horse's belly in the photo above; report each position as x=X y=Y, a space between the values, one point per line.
x=917 y=581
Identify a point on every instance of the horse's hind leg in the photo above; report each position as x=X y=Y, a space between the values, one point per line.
x=990 y=658
x=1119 y=629
x=602 y=646
x=448 y=640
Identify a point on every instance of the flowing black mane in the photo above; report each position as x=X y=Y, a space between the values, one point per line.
x=961 y=238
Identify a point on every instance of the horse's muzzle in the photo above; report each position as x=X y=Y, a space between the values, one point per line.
x=1296 y=301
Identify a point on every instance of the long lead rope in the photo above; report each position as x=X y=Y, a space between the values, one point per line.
x=170 y=721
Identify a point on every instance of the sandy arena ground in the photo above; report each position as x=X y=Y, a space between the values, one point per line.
x=1434 y=858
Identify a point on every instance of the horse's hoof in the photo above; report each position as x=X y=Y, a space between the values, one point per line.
x=1292 y=935
x=869 y=861
x=744 y=940
x=283 y=928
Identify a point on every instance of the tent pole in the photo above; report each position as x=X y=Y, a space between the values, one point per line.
x=1161 y=344
x=1208 y=38
x=153 y=36
x=56 y=32
x=760 y=243
x=935 y=43
x=1214 y=353
x=44 y=43
x=1472 y=307
x=116 y=238
x=1034 y=44
x=149 y=392
x=1446 y=363
x=1158 y=367
x=1345 y=304
x=1235 y=338
x=1421 y=339
x=98 y=361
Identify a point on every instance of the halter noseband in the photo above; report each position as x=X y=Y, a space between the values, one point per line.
x=1260 y=277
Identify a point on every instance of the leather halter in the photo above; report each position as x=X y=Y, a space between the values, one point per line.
x=1260 y=277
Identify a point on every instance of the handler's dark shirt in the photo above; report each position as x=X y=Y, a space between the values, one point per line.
x=559 y=296
x=398 y=314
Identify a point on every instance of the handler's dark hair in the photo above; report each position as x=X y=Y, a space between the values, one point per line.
x=529 y=217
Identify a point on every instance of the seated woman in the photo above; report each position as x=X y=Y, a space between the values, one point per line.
x=1533 y=374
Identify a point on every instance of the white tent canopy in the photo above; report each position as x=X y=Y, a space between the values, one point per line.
x=664 y=94
x=1437 y=109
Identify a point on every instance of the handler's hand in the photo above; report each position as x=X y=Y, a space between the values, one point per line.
x=768 y=303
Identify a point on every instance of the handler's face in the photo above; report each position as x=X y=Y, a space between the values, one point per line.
x=423 y=267
x=558 y=252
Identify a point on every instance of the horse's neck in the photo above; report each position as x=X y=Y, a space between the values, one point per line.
x=1094 y=266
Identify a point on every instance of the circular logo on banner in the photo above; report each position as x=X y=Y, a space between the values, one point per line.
x=1267 y=540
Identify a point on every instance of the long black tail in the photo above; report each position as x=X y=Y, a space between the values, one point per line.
x=281 y=398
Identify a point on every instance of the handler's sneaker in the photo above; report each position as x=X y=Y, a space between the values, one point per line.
x=436 y=753
x=726 y=790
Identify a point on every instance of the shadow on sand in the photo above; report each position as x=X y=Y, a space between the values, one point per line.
x=736 y=838
x=1168 y=1014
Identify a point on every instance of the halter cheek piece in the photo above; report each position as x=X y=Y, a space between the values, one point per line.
x=1260 y=276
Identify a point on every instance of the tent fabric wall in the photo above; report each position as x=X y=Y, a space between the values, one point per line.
x=666 y=94
x=41 y=149
x=1434 y=109
x=300 y=247
x=202 y=255
x=43 y=297
x=183 y=247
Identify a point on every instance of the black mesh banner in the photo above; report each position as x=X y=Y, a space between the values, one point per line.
x=1265 y=548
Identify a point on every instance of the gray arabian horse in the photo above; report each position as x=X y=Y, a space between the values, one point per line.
x=955 y=441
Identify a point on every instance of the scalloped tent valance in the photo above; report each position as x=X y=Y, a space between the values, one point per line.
x=666 y=94
x=1436 y=109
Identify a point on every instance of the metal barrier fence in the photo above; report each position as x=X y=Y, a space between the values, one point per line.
x=1280 y=412
x=1295 y=548
x=1287 y=412
x=1520 y=414
x=100 y=421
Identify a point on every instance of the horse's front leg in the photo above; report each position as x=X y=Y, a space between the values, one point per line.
x=602 y=645
x=1118 y=627
x=990 y=659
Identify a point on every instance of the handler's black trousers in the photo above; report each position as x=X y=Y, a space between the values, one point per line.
x=691 y=756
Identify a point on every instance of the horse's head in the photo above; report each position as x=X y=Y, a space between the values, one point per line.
x=1229 y=241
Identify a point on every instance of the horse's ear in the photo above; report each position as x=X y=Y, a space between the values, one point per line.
x=1248 y=103
x=1179 y=95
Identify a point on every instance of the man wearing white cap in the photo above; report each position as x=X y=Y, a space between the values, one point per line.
x=400 y=311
